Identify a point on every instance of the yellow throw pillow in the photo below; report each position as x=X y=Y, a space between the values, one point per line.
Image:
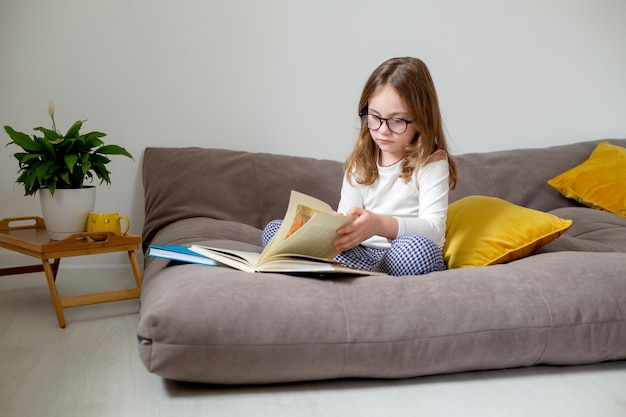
x=599 y=182
x=485 y=230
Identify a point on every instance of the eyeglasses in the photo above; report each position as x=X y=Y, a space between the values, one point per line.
x=395 y=125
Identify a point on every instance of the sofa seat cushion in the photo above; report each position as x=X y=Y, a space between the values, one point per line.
x=591 y=231
x=217 y=325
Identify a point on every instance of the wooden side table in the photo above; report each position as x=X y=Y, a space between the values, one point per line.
x=28 y=235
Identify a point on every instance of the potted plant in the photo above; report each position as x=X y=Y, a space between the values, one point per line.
x=60 y=167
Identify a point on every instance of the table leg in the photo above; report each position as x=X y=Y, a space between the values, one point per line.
x=51 y=278
x=135 y=265
x=55 y=268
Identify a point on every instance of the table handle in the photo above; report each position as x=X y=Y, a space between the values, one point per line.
x=110 y=240
x=35 y=222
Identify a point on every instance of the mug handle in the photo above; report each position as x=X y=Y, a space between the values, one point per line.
x=127 y=223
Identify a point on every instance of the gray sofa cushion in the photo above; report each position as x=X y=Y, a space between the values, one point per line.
x=230 y=327
x=563 y=305
x=591 y=231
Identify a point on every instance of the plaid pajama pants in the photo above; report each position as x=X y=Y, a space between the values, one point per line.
x=408 y=255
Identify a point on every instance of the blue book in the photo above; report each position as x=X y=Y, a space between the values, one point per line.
x=179 y=253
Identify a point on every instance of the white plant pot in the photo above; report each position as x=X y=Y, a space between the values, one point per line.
x=66 y=212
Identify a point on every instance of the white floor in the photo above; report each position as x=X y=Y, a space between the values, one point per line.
x=91 y=368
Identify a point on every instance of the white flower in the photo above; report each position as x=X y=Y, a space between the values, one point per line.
x=51 y=108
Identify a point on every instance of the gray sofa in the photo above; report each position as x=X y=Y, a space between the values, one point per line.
x=563 y=304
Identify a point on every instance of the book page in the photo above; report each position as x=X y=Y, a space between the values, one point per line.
x=242 y=260
x=303 y=215
x=291 y=221
x=291 y=266
x=315 y=238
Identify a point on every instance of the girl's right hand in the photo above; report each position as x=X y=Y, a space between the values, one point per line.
x=366 y=225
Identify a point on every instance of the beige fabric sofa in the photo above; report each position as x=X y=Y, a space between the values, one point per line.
x=564 y=304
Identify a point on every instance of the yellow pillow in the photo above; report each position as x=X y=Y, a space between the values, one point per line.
x=485 y=230
x=599 y=182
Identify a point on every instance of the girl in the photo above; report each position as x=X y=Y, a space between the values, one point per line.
x=398 y=176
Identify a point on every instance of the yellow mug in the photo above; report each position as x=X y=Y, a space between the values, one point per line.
x=106 y=222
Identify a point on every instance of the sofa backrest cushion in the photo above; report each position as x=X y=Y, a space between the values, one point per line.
x=250 y=188
x=520 y=175
x=253 y=188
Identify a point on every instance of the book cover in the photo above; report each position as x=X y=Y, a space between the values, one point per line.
x=179 y=253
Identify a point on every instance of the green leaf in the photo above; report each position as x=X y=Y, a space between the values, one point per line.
x=70 y=161
x=96 y=134
x=102 y=173
x=52 y=186
x=46 y=147
x=41 y=171
x=92 y=139
x=73 y=131
x=114 y=150
x=99 y=160
x=22 y=140
x=28 y=157
x=65 y=176
x=49 y=134
x=29 y=186
x=68 y=146
x=85 y=164
x=20 y=156
x=23 y=178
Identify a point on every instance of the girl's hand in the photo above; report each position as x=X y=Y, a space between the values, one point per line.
x=365 y=226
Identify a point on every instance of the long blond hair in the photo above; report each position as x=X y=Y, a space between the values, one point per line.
x=411 y=79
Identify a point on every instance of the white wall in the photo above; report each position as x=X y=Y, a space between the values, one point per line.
x=284 y=76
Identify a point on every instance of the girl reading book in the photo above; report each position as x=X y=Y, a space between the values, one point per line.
x=398 y=176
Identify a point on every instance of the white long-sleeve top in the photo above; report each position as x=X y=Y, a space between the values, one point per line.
x=420 y=205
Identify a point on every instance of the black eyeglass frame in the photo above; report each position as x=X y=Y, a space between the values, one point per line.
x=364 y=118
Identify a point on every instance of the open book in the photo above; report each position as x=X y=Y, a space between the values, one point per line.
x=302 y=244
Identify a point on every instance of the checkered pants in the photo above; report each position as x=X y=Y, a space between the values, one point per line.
x=408 y=255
